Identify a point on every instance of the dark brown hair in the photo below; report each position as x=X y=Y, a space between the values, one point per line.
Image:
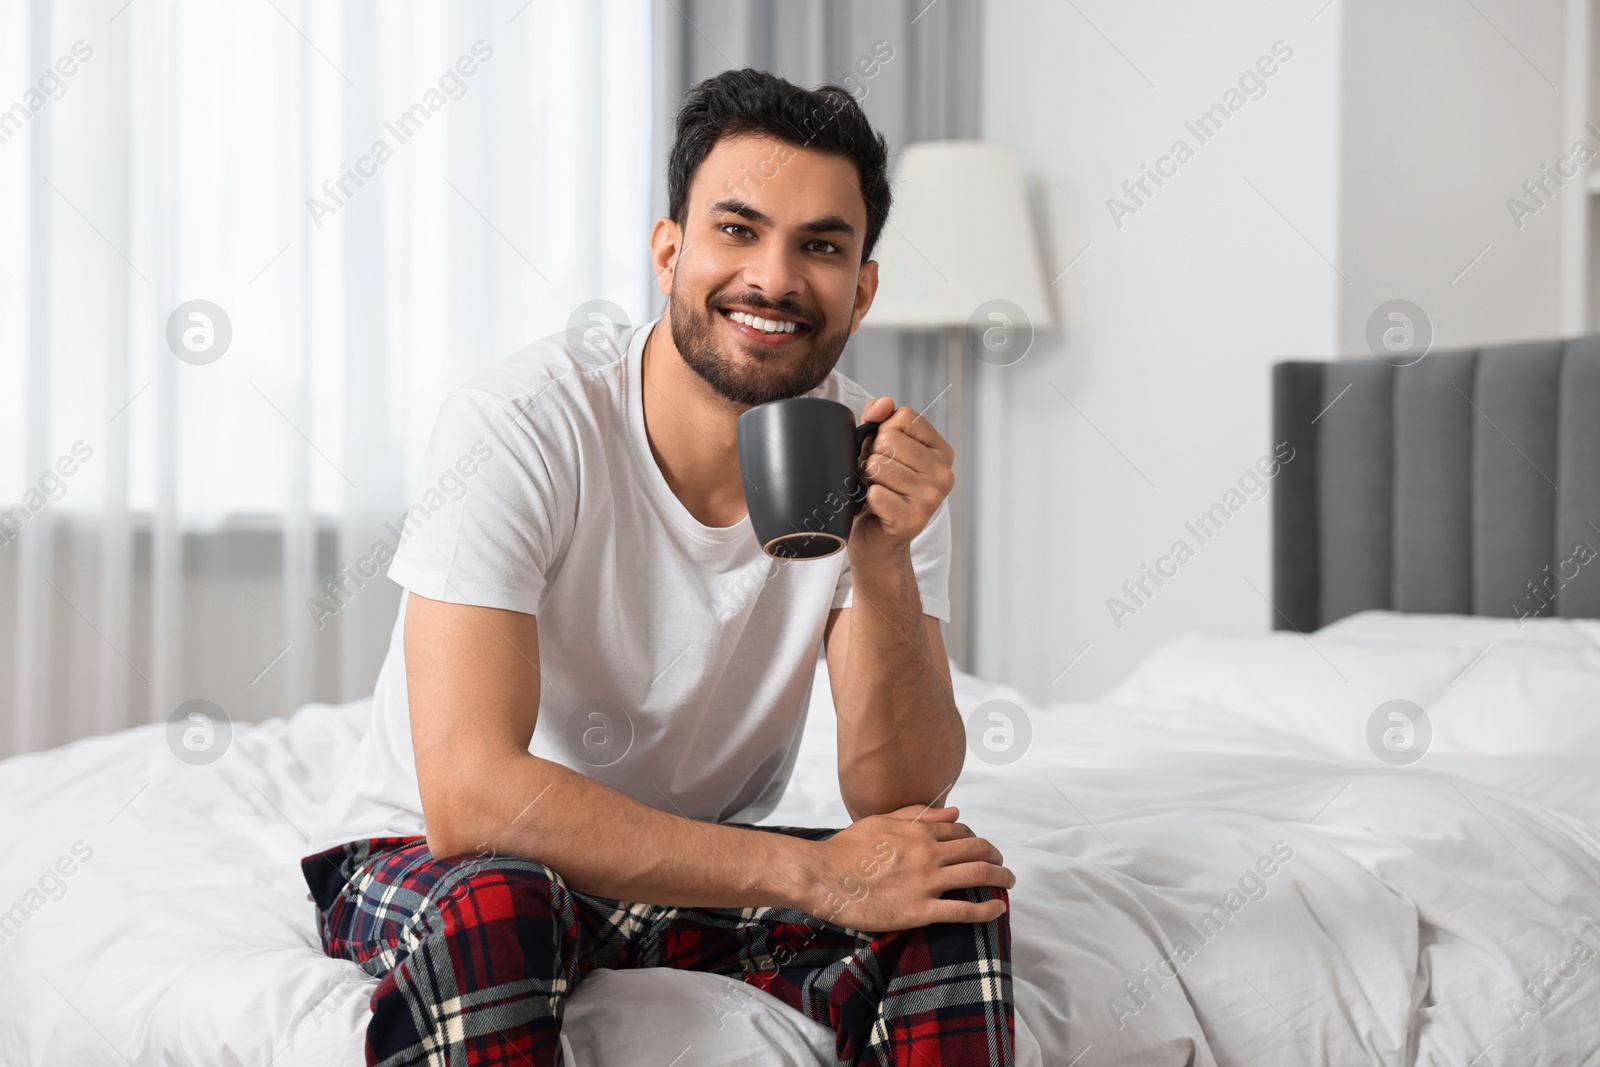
x=751 y=101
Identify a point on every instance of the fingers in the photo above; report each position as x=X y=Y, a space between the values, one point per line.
x=914 y=424
x=967 y=850
x=893 y=450
x=905 y=483
x=906 y=468
x=973 y=875
x=965 y=911
x=904 y=516
x=896 y=462
x=878 y=410
x=952 y=831
x=904 y=437
x=923 y=492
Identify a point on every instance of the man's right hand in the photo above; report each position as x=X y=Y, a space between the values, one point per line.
x=889 y=872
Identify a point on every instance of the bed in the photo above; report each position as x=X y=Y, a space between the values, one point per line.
x=1239 y=855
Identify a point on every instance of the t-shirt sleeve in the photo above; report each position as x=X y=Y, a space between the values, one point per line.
x=486 y=522
x=930 y=561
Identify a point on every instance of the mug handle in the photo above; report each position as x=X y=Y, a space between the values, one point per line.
x=864 y=433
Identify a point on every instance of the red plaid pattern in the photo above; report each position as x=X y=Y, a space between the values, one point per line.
x=478 y=954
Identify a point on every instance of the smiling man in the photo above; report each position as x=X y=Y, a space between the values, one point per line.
x=597 y=681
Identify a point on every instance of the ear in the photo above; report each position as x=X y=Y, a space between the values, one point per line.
x=866 y=289
x=666 y=244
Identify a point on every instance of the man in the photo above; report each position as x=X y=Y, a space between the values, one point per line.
x=597 y=681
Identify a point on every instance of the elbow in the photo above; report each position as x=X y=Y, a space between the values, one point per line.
x=871 y=792
x=466 y=809
x=440 y=847
x=450 y=836
x=452 y=821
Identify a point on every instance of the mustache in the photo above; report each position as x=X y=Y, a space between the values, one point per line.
x=756 y=300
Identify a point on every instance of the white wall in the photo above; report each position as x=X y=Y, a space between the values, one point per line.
x=1447 y=110
x=1174 y=319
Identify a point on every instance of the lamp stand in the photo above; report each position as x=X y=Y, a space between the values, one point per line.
x=960 y=645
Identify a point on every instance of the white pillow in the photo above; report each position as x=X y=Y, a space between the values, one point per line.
x=1520 y=698
x=1486 y=686
x=1393 y=627
x=1319 y=691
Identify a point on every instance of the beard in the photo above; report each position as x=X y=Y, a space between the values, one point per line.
x=775 y=376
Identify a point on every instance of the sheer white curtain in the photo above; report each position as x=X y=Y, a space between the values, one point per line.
x=245 y=250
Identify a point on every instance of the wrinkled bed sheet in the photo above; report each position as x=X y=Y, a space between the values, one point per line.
x=1213 y=868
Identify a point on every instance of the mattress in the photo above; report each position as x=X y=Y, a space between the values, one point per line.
x=1221 y=861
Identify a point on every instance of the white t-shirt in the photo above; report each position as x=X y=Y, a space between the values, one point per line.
x=676 y=659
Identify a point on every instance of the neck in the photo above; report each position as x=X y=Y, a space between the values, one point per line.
x=691 y=430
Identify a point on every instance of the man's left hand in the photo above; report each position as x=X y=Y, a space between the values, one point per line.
x=907 y=468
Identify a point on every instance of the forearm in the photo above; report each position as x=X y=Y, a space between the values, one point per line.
x=606 y=843
x=901 y=739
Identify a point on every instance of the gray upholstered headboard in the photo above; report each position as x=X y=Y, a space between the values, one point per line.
x=1467 y=483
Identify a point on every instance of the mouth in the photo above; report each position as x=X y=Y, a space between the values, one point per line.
x=770 y=329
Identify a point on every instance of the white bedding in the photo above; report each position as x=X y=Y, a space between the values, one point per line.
x=1377 y=914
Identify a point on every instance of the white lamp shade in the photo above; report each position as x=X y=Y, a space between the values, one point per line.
x=959 y=235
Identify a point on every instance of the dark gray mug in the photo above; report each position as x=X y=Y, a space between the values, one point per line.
x=802 y=480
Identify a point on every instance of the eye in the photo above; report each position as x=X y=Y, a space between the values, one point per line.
x=729 y=226
x=826 y=246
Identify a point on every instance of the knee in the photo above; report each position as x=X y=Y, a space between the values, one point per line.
x=481 y=890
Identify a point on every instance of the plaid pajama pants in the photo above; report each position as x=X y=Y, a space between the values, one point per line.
x=477 y=956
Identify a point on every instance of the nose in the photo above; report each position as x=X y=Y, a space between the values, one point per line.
x=773 y=269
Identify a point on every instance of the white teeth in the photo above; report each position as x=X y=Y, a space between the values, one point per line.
x=764 y=325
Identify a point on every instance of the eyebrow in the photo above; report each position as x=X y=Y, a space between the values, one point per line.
x=826 y=224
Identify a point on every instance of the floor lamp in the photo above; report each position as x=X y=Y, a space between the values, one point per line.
x=958 y=255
